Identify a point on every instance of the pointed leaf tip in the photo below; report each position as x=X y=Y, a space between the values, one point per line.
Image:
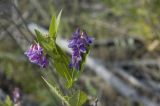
x=52 y=27
x=58 y=20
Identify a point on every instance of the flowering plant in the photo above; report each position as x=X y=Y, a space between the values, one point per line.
x=46 y=51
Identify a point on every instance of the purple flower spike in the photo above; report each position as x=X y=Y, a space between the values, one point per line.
x=79 y=43
x=36 y=55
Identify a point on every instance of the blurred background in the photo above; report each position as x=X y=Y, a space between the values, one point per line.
x=126 y=50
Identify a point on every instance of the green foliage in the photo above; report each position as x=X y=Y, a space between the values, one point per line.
x=57 y=55
x=56 y=91
x=52 y=28
x=58 y=20
x=46 y=42
x=7 y=102
x=62 y=64
x=54 y=25
x=78 y=98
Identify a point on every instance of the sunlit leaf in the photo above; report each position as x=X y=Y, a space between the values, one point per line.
x=7 y=102
x=52 y=27
x=58 y=20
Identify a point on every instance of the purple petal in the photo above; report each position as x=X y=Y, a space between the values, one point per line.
x=82 y=49
x=36 y=55
x=89 y=40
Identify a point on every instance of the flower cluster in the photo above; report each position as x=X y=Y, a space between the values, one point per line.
x=79 y=44
x=36 y=55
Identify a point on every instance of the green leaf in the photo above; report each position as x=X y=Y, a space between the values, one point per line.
x=58 y=20
x=39 y=36
x=63 y=62
x=59 y=58
x=54 y=24
x=78 y=98
x=52 y=27
x=64 y=56
x=46 y=43
x=57 y=91
x=7 y=102
x=62 y=70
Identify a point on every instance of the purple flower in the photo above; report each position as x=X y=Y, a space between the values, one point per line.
x=79 y=43
x=36 y=55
